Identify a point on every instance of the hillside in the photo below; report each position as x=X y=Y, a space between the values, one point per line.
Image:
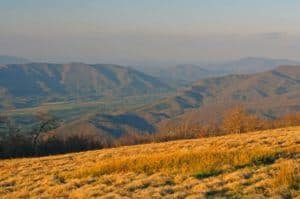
x=23 y=85
x=257 y=165
x=269 y=94
x=181 y=75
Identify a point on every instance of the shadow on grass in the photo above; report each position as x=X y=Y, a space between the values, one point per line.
x=207 y=174
x=216 y=193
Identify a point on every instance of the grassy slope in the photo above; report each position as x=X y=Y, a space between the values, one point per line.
x=259 y=164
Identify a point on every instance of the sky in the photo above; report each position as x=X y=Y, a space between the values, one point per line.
x=149 y=31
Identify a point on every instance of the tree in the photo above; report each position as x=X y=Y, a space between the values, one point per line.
x=12 y=142
x=252 y=123
x=233 y=120
x=46 y=123
x=8 y=125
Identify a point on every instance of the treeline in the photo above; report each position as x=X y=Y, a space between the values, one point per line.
x=234 y=121
x=38 y=142
x=22 y=146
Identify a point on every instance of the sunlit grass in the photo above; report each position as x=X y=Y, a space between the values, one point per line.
x=288 y=175
x=259 y=164
x=190 y=162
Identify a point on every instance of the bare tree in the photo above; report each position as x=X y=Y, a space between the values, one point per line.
x=46 y=123
x=233 y=120
x=11 y=128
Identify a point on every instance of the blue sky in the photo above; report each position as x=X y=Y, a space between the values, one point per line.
x=145 y=30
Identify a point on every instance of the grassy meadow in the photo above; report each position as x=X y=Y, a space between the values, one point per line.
x=252 y=165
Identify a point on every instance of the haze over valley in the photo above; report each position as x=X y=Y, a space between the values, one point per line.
x=113 y=100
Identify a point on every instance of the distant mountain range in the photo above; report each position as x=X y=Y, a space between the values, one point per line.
x=269 y=94
x=187 y=73
x=23 y=85
x=250 y=65
x=4 y=59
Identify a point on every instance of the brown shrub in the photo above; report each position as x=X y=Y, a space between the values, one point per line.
x=234 y=120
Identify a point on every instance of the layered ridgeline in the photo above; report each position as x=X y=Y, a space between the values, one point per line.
x=269 y=94
x=5 y=59
x=23 y=85
x=187 y=73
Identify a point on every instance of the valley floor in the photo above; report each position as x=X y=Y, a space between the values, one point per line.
x=253 y=165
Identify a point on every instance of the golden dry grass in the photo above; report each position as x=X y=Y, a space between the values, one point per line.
x=254 y=165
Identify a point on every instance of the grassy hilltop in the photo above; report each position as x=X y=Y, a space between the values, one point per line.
x=258 y=164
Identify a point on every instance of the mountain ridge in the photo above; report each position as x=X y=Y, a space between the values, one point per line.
x=6 y=59
x=262 y=93
x=60 y=82
x=184 y=74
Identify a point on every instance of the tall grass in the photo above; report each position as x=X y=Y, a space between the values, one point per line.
x=200 y=163
x=288 y=175
x=255 y=165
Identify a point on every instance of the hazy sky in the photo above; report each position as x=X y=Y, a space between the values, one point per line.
x=137 y=31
